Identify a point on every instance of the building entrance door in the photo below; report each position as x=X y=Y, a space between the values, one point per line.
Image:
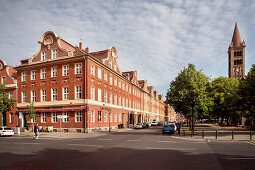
x=3 y=119
x=123 y=118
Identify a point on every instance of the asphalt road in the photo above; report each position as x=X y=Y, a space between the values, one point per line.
x=135 y=149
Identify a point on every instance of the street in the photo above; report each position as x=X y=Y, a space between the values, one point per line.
x=133 y=149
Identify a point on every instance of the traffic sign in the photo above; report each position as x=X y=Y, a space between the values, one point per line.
x=62 y=116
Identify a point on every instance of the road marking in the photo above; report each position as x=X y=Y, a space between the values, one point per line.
x=199 y=142
x=27 y=143
x=99 y=146
x=165 y=141
x=104 y=139
x=180 y=149
x=133 y=140
x=242 y=158
x=252 y=143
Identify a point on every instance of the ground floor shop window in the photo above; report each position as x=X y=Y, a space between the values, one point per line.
x=99 y=116
x=78 y=116
x=54 y=117
x=11 y=117
x=66 y=119
x=92 y=116
x=43 y=118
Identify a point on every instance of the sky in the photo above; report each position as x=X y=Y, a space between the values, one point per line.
x=156 y=38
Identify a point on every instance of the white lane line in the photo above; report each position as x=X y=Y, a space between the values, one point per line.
x=199 y=142
x=133 y=140
x=242 y=158
x=250 y=143
x=180 y=149
x=165 y=141
x=27 y=143
x=104 y=139
x=99 y=146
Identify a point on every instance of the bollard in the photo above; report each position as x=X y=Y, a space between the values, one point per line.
x=203 y=134
x=232 y=135
x=216 y=134
x=250 y=134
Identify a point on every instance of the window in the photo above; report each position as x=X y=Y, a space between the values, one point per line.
x=78 y=92
x=92 y=93
x=115 y=99
x=110 y=64
x=99 y=118
x=54 y=54
x=115 y=81
x=43 y=118
x=110 y=116
x=115 y=117
x=105 y=76
x=10 y=95
x=130 y=89
x=92 y=117
x=105 y=96
x=123 y=101
x=43 y=95
x=11 y=117
x=126 y=117
x=105 y=116
x=33 y=94
x=119 y=100
x=54 y=93
x=43 y=56
x=92 y=70
x=126 y=87
x=123 y=86
x=33 y=120
x=99 y=73
x=43 y=74
x=78 y=116
x=65 y=93
x=66 y=118
x=54 y=72
x=119 y=84
x=54 y=117
x=24 y=96
x=110 y=98
x=126 y=102
x=78 y=68
x=65 y=70
x=119 y=117
x=33 y=75
x=24 y=76
x=114 y=67
x=110 y=79
x=99 y=96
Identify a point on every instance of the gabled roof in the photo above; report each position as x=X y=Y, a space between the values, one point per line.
x=100 y=55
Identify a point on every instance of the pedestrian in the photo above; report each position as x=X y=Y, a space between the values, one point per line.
x=36 y=131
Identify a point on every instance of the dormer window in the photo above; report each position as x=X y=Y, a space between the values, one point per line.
x=43 y=56
x=54 y=54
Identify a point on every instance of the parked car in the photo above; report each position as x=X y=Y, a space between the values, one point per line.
x=6 y=131
x=154 y=123
x=169 y=128
x=139 y=126
x=148 y=124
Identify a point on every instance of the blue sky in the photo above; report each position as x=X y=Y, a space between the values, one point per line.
x=156 y=38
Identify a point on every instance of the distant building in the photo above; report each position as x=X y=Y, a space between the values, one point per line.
x=236 y=56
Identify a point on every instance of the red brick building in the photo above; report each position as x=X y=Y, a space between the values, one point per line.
x=87 y=87
x=9 y=78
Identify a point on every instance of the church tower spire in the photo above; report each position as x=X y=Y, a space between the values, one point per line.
x=236 y=56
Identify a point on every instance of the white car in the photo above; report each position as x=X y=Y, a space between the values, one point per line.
x=154 y=123
x=6 y=131
x=139 y=126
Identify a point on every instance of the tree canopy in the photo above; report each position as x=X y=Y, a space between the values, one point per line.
x=5 y=103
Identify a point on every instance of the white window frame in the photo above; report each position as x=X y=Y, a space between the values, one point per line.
x=110 y=79
x=119 y=84
x=115 y=81
x=43 y=56
x=24 y=76
x=99 y=95
x=92 y=116
x=54 y=71
x=99 y=73
x=92 y=70
x=92 y=92
x=54 y=54
x=105 y=116
x=115 y=117
x=78 y=68
x=43 y=117
x=78 y=116
x=77 y=92
x=24 y=97
x=105 y=76
x=11 y=95
x=65 y=93
x=119 y=100
x=66 y=119
x=33 y=95
x=115 y=67
x=33 y=75
x=105 y=96
x=99 y=116
x=43 y=95
x=110 y=98
x=110 y=116
x=119 y=117
x=65 y=70
x=54 y=94
x=54 y=116
x=43 y=73
x=115 y=99
x=110 y=64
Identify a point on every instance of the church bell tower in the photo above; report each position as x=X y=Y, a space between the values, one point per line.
x=236 y=56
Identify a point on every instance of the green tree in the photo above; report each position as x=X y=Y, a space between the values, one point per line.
x=5 y=103
x=31 y=112
x=187 y=93
x=247 y=94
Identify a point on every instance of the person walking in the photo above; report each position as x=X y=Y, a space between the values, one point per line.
x=36 y=131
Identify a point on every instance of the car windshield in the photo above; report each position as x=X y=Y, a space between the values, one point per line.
x=7 y=128
x=139 y=124
x=168 y=125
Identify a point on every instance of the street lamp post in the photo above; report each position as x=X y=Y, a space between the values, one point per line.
x=109 y=120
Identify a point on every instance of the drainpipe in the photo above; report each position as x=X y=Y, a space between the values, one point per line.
x=85 y=95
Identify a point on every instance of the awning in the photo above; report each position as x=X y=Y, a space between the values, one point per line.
x=54 y=110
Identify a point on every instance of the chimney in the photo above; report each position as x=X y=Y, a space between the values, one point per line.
x=80 y=45
x=87 y=49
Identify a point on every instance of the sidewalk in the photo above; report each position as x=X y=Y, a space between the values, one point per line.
x=69 y=135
